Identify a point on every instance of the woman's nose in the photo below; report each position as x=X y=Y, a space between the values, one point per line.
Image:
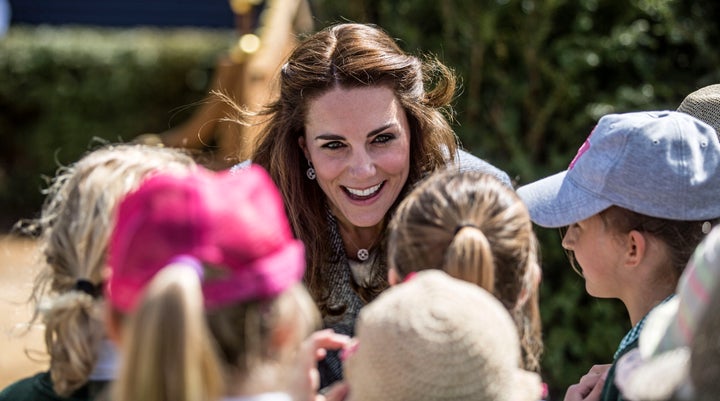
x=362 y=164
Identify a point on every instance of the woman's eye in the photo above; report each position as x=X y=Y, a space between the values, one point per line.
x=333 y=145
x=382 y=138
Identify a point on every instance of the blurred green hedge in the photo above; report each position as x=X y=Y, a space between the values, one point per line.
x=536 y=76
x=61 y=87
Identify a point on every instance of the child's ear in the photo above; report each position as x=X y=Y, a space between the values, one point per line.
x=393 y=276
x=286 y=334
x=113 y=324
x=635 y=248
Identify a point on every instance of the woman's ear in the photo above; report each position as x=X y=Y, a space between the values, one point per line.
x=303 y=146
x=635 y=248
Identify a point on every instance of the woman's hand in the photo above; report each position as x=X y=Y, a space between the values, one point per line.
x=590 y=386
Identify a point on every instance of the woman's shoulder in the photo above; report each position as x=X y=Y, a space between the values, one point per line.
x=469 y=162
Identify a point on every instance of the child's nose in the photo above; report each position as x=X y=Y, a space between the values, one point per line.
x=568 y=240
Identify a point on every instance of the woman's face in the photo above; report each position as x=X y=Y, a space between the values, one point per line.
x=358 y=141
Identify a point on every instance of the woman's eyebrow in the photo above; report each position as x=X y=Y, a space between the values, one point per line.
x=335 y=137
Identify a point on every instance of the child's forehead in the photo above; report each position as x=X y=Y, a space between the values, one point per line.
x=604 y=222
x=596 y=218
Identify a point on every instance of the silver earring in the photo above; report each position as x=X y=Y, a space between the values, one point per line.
x=310 y=172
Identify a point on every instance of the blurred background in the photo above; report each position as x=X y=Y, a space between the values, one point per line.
x=536 y=76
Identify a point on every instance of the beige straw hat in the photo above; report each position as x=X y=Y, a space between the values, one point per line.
x=704 y=104
x=438 y=338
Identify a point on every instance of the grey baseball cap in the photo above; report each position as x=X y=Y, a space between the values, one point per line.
x=661 y=163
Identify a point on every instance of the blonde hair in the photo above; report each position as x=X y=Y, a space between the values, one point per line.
x=177 y=351
x=244 y=332
x=475 y=228
x=74 y=227
x=168 y=353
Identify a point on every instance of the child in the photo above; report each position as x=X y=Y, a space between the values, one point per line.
x=678 y=353
x=420 y=341
x=475 y=228
x=74 y=227
x=638 y=198
x=205 y=291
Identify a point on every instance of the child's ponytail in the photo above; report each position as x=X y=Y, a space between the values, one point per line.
x=469 y=257
x=74 y=332
x=169 y=354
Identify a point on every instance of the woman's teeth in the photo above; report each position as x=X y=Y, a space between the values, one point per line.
x=364 y=192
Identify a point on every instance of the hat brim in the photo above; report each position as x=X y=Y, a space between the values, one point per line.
x=556 y=201
x=527 y=386
x=656 y=327
x=657 y=378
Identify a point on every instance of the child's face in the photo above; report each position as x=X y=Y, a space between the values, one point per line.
x=598 y=252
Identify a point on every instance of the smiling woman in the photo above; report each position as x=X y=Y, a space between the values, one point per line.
x=358 y=141
x=358 y=122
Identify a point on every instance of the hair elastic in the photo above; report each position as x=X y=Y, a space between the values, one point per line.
x=83 y=285
x=461 y=226
x=191 y=262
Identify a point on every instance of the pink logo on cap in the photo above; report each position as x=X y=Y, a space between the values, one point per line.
x=584 y=148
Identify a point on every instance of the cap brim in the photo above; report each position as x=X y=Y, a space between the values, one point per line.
x=527 y=386
x=556 y=201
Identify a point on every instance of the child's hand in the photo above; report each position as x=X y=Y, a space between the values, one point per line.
x=337 y=391
x=305 y=378
x=590 y=386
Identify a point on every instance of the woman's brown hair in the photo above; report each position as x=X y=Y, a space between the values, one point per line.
x=349 y=56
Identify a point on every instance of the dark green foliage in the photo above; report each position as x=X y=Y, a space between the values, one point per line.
x=62 y=87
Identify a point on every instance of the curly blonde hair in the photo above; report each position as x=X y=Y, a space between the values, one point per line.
x=73 y=229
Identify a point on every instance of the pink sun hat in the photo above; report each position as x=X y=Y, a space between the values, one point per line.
x=232 y=228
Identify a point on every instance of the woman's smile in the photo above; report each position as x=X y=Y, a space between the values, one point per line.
x=363 y=194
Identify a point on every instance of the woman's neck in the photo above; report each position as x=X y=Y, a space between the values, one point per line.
x=357 y=240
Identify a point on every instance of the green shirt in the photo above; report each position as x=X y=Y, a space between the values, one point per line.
x=629 y=342
x=40 y=388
